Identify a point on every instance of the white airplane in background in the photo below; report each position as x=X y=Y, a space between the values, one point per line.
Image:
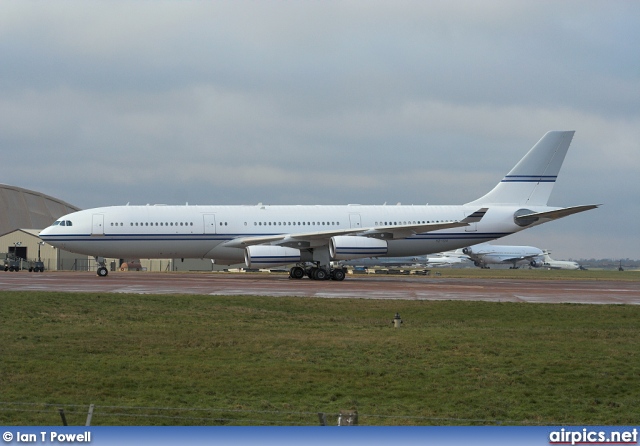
x=438 y=260
x=311 y=237
x=549 y=263
x=485 y=254
x=448 y=258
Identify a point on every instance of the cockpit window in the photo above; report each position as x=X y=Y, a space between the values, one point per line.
x=69 y=223
x=56 y=223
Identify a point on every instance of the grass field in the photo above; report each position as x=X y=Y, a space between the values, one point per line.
x=203 y=360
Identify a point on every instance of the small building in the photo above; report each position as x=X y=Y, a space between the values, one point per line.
x=27 y=245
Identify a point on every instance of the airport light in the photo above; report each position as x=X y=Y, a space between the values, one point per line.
x=39 y=245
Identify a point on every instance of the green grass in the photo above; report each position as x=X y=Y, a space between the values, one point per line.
x=153 y=360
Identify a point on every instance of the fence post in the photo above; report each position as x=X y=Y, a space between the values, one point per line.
x=89 y=415
x=323 y=418
x=64 y=419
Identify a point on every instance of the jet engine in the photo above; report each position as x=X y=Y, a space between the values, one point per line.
x=346 y=247
x=536 y=263
x=265 y=256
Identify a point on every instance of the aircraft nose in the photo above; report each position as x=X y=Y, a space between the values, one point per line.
x=45 y=233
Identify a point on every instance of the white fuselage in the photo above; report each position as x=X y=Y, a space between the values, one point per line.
x=486 y=254
x=201 y=231
x=549 y=263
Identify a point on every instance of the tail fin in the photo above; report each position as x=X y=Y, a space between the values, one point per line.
x=531 y=181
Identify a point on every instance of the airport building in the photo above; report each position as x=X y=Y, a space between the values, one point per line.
x=26 y=245
x=23 y=213
x=23 y=208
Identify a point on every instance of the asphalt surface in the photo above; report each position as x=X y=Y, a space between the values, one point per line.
x=361 y=287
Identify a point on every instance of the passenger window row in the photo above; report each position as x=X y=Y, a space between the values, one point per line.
x=270 y=223
x=293 y=223
x=395 y=223
x=154 y=224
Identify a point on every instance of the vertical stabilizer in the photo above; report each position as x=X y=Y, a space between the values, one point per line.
x=531 y=181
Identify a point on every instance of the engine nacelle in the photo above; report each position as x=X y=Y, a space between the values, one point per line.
x=536 y=263
x=346 y=247
x=467 y=250
x=266 y=256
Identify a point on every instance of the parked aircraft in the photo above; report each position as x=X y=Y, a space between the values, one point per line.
x=485 y=254
x=311 y=237
x=447 y=259
x=549 y=263
x=436 y=260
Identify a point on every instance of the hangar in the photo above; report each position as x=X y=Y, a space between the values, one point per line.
x=23 y=213
x=23 y=208
x=26 y=245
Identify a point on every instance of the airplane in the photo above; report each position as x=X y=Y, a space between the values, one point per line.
x=437 y=260
x=485 y=254
x=549 y=263
x=311 y=237
x=448 y=258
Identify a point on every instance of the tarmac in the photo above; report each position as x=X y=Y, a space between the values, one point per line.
x=359 y=287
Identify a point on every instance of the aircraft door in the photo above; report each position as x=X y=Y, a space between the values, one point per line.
x=97 y=224
x=354 y=220
x=209 y=223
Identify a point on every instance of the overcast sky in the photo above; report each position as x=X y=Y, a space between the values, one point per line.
x=323 y=102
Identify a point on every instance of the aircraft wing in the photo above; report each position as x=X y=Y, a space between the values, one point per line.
x=312 y=239
x=295 y=240
x=553 y=215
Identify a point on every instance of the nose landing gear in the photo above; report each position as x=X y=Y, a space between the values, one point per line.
x=102 y=267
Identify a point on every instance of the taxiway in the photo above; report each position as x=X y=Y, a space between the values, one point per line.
x=360 y=287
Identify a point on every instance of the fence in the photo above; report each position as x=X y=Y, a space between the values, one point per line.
x=19 y=413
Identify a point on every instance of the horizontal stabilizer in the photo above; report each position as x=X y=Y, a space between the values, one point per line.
x=553 y=215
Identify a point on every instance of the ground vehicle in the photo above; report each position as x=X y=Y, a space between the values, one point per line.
x=12 y=262
x=36 y=266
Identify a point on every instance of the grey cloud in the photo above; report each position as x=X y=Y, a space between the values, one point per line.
x=320 y=102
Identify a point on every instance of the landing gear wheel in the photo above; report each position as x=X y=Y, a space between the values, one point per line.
x=320 y=274
x=296 y=272
x=338 y=274
x=102 y=271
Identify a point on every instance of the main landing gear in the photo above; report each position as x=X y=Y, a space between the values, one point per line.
x=317 y=273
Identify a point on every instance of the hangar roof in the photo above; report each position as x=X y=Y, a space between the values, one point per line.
x=23 y=208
